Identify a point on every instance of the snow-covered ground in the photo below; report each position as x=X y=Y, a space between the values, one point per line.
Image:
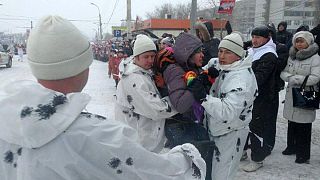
x=276 y=166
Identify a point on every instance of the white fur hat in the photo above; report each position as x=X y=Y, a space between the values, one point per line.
x=57 y=50
x=143 y=44
x=234 y=43
x=305 y=35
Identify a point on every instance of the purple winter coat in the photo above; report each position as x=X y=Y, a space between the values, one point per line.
x=180 y=97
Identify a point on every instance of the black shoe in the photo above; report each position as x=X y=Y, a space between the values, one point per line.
x=302 y=160
x=288 y=151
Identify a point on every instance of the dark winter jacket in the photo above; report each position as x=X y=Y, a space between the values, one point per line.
x=180 y=97
x=316 y=32
x=284 y=37
x=283 y=55
x=265 y=70
x=210 y=50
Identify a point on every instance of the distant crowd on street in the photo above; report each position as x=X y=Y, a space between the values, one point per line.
x=187 y=107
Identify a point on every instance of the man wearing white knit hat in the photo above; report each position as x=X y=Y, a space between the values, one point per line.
x=139 y=103
x=45 y=134
x=228 y=107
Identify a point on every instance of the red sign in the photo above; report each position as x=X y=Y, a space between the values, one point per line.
x=226 y=6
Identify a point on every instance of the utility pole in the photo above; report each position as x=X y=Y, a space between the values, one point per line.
x=267 y=13
x=193 y=16
x=31 y=25
x=100 y=26
x=128 y=18
x=317 y=12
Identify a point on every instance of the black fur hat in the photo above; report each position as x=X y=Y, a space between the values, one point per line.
x=261 y=31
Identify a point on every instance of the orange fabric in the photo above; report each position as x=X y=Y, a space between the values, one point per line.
x=159 y=81
x=189 y=76
x=162 y=57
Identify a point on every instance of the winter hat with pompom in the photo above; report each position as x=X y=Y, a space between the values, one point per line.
x=234 y=43
x=57 y=50
x=305 y=35
x=143 y=44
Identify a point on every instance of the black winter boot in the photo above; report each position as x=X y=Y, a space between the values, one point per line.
x=289 y=151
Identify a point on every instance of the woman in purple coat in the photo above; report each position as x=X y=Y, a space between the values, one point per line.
x=184 y=96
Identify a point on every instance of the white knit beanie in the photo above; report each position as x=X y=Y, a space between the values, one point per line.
x=57 y=50
x=305 y=35
x=143 y=44
x=234 y=43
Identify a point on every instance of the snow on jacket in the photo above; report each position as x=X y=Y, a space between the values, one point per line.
x=139 y=105
x=228 y=107
x=45 y=135
x=300 y=64
x=180 y=97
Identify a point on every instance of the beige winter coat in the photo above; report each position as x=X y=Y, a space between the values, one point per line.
x=300 y=64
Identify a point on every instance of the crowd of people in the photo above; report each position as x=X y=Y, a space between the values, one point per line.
x=187 y=107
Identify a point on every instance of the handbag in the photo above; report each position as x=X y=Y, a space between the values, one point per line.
x=305 y=99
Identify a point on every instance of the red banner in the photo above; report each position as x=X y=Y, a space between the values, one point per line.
x=226 y=6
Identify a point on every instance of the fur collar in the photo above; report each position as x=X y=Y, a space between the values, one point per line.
x=305 y=53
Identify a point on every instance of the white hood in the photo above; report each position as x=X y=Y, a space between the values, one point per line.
x=270 y=46
x=32 y=116
x=244 y=63
x=130 y=68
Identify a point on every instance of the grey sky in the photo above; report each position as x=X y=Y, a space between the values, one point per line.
x=16 y=15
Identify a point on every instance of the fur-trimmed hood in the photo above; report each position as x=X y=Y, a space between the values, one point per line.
x=305 y=53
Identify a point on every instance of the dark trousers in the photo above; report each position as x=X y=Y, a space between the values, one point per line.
x=299 y=138
x=116 y=81
x=263 y=125
x=269 y=133
x=259 y=151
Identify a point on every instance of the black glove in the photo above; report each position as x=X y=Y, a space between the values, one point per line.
x=204 y=78
x=197 y=88
x=247 y=45
x=213 y=72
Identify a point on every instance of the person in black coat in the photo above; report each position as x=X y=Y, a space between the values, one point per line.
x=283 y=55
x=265 y=107
x=284 y=36
x=316 y=32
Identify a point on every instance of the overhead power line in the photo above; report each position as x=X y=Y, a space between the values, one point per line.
x=114 y=7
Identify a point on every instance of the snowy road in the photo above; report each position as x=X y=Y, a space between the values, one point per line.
x=276 y=166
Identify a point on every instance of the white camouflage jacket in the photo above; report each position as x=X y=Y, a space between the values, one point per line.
x=228 y=107
x=139 y=105
x=45 y=135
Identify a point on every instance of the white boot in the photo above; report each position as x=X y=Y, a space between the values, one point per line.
x=252 y=166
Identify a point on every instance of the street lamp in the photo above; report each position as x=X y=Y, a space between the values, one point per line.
x=100 y=24
x=96 y=34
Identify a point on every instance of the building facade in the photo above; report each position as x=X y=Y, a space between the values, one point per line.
x=294 y=12
x=243 y=16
